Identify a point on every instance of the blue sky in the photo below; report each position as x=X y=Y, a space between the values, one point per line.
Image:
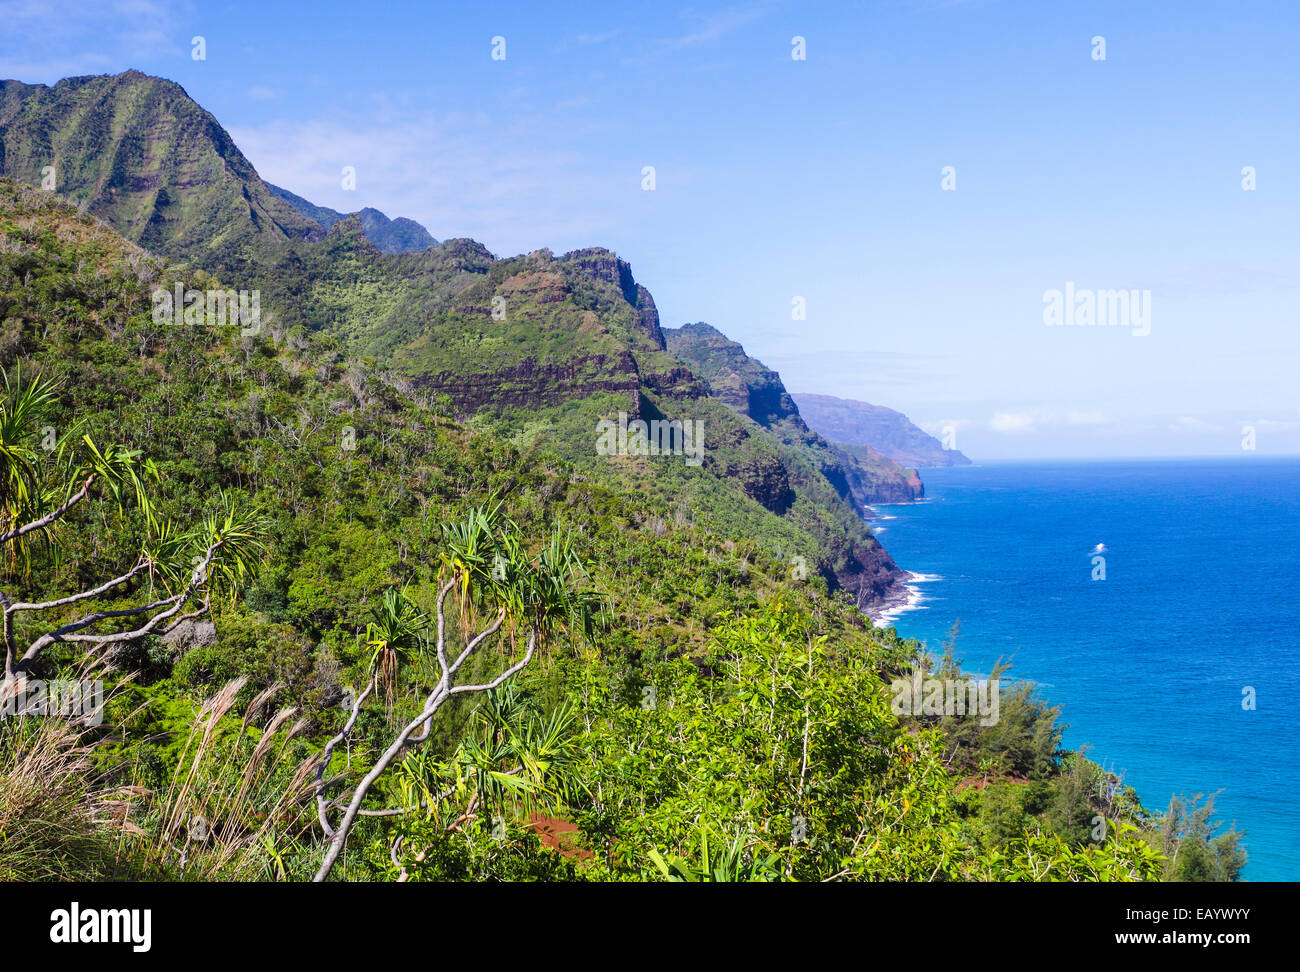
x=819 y=179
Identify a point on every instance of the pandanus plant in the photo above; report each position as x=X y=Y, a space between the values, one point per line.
x=44 y=485
x=394 y=634
x=495 y=581
x=41 y=479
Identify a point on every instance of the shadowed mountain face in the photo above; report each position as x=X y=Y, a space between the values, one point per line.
x=536 y=348
x=388 y=235
x=884 y=430
x=753 y=389
x=137 y=152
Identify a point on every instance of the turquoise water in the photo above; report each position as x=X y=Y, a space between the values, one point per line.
x=1201 y=599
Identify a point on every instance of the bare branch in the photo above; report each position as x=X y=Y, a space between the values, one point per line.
x=442 y=624
x=71 y=598
x=322 y=805
x=50 y=517
x=477 y=640
x=440 y=694
x=67 y=631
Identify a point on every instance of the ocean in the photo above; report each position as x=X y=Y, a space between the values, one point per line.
x=1199 y=605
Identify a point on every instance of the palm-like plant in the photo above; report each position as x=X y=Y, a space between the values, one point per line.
x=520 y=760
x=22 y=494
x=36 y=489
x=396 y=631
x=20 y=482
x=40 y=489
x=485 y=565
x=468 y=555
x=219 y=553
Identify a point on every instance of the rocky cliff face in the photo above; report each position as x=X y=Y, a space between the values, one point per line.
x=868 y=488
x=882 y=429
x=753 y=389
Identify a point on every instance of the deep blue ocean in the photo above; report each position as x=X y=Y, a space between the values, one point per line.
x=1201 y=599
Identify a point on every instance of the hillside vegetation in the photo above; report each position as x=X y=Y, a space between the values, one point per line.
x=692 y=706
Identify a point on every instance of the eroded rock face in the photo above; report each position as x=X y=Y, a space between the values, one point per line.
x=531 y=384
x=607 y=267
x=867 y=488
x=744 y=383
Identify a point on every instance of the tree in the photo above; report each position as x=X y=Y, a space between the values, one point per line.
x=1194 y=851
x=497 y=585
x=41 y=492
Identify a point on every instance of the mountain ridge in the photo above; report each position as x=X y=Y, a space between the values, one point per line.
x=537 y=348
x=884 y=430
x=139 y=153
x=398 y=235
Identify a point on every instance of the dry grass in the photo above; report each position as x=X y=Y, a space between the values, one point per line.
x=234 y=810
x=55 y=816
x=233 y=801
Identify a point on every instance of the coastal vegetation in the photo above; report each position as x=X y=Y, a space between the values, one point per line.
x=420 y=644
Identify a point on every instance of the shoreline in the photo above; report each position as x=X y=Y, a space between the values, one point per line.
x=903 y=595
x=907 y=596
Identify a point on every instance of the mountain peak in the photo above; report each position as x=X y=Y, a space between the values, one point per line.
x=142 y=155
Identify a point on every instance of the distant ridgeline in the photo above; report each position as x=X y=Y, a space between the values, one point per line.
x=874 y=428
x=388 y=235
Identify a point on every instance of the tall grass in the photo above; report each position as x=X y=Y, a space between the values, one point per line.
x=56 y=814
x=237 y=807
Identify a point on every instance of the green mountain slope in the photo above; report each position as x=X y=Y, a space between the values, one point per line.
x=724 y=701
x=541 y=349
x=141 y=155
x=537 y=348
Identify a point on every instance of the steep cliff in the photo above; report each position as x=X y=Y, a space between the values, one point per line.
x=882 y=429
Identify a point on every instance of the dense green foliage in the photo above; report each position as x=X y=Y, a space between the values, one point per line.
x=727 y=720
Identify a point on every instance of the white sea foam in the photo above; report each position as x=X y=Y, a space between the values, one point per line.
x=915 y=600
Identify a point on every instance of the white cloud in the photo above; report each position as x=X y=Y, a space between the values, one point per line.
x=1075 y=417
x=711 y=26
x=459 y=174
x=83 y=37
x=1012 y=423
x=1189 y=423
